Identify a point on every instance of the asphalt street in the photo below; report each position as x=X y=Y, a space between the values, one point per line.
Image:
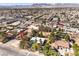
x=10 y=51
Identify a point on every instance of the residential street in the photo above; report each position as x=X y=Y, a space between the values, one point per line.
x=8 y=50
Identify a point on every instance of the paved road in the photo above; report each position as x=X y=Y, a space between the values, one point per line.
x=10 y=51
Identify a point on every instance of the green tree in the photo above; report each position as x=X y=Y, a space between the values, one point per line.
x=50 y=39
x=52 y=53
x=76 y=49
x=41 y=34
x=2 y=36
x=2 y=33
x=35 y=46
x=5 y=38
x=48 y=51
x=24 y=44
x=35 y=33
x=66 y=37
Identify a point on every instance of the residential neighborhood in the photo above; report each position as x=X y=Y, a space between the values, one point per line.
x=40 y=31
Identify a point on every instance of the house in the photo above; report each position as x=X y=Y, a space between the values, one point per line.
x=33 y=27
x=71 y=30
x=9 y=27
x=62 y=47
x=38 y=39
x=29 y=17
x=15 y=23
x=60 y=43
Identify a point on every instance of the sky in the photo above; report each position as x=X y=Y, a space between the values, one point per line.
x=39 y=1
x=29 y=2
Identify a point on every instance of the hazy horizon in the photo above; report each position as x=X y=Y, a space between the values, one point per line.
x=9 y=4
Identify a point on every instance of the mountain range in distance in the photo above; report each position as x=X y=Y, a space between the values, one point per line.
x=37 y=5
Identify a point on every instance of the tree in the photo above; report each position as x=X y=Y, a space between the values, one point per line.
x=2 y=33
x=41 y=34
x=35 y=46
x=2 y=36
x=76 y=49
x=27 y=38
x=66 y=37
x=51 y=37
x=24 y=44
x=34 y=33
x=50 y=40
x=59 y=34
x=52 y=53
x=6 y=38
x=48 y=51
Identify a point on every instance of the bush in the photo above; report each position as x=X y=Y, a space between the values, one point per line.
x=5 y=40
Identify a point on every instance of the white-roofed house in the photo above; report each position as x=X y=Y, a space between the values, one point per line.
x=38 y=39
